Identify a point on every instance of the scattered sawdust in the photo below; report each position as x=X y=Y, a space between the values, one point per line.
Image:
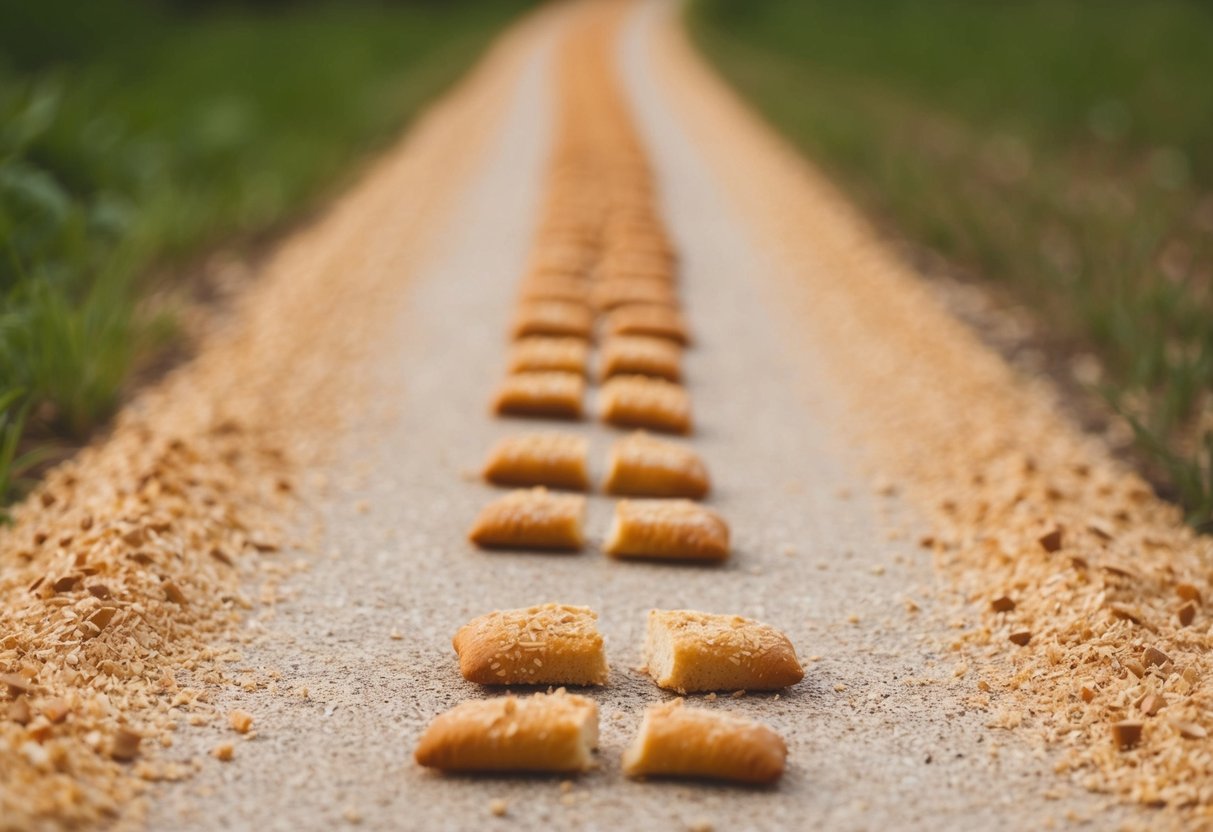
x=1019 y=501
x=126 y=575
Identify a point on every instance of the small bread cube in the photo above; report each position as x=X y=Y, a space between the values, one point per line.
x=688 y=651
x=553 y=317
x=531 y=519
x=555 y=286
x=647 y=319
x=551 y=644
x=643 y=466
x=677 y=741
x=547 y=732
x=557 y=460
x=551 y=394
x=541 y=353
x=641 y=355
x=615 y=292
x=667 y=529
x=643 y=402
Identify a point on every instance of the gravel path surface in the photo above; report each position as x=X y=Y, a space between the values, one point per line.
x=880 y=734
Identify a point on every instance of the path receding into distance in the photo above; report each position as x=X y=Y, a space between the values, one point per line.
x=880 y=733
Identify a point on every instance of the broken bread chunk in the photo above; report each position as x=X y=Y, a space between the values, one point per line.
x=553 y=317
x=615 y=292
x=648 y=319
x=667 y=529
x=643 y=402
x=677 y=741
x=644 y=466
x=641 y=355
x=557 y=460
x=688 y=651
x=551 y=394
x=531 y=519
x=541 y=353
x=547 y=732
x=554 y=286
x=551 y=644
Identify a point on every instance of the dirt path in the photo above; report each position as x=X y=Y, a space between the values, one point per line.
x=881 y=733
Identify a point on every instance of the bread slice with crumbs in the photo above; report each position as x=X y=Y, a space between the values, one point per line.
x=542 y=353
x=546 y=732
x=550 y=644
x=641 y=355
x=643 y=402
x=644 y=466
x=553 y=459
x=553 y=317
x=667 y=530
x=679 y=741
x=648 y=319
x=531 y=519
x=688 y=651
x=549 y=394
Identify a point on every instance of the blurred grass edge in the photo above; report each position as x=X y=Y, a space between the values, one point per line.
x=137 y=134
x=1058 y=150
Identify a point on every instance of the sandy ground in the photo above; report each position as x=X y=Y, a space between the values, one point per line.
x=880 y=733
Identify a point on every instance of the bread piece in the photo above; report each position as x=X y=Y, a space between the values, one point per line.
x=643 y=402
x=551 y=394
x=643 y=466
x=551 y=644
x=531 y=519
x=667 y=529
x=555 y=286
x=541 y=353
x=557 y=460
x=647 y=319
x=641 y=355
x=615 y=292
x=553 y=317
x=688 y=651
x=547 y=732
x=677 y=741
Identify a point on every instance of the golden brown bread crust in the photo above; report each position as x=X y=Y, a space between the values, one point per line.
x=550 y=394
x=620 y=291
x=542 y=353
x=553 y=317
x=647 y=319
x=547 y=732
x=550 y=644
x=641 y=355
x=643 y=466
x=643 y=402
x=557 y=460
x=667 y=530
x=678 y=741
x=688 y=651
x=531 y=519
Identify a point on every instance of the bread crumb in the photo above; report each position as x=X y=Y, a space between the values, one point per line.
x=240 y=720
x=395 y=635
x=498 y=807
x=352 y=815
x=224 y=751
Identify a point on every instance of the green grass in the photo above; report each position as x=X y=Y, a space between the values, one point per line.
x=1061 y=149
x=135 y=134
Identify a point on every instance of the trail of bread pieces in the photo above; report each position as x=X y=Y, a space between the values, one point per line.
x=142 y=636
x=603 y=261
x=127 y=579
x=1087 y=627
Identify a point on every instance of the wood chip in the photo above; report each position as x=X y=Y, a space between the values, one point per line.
x=1126 y=734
